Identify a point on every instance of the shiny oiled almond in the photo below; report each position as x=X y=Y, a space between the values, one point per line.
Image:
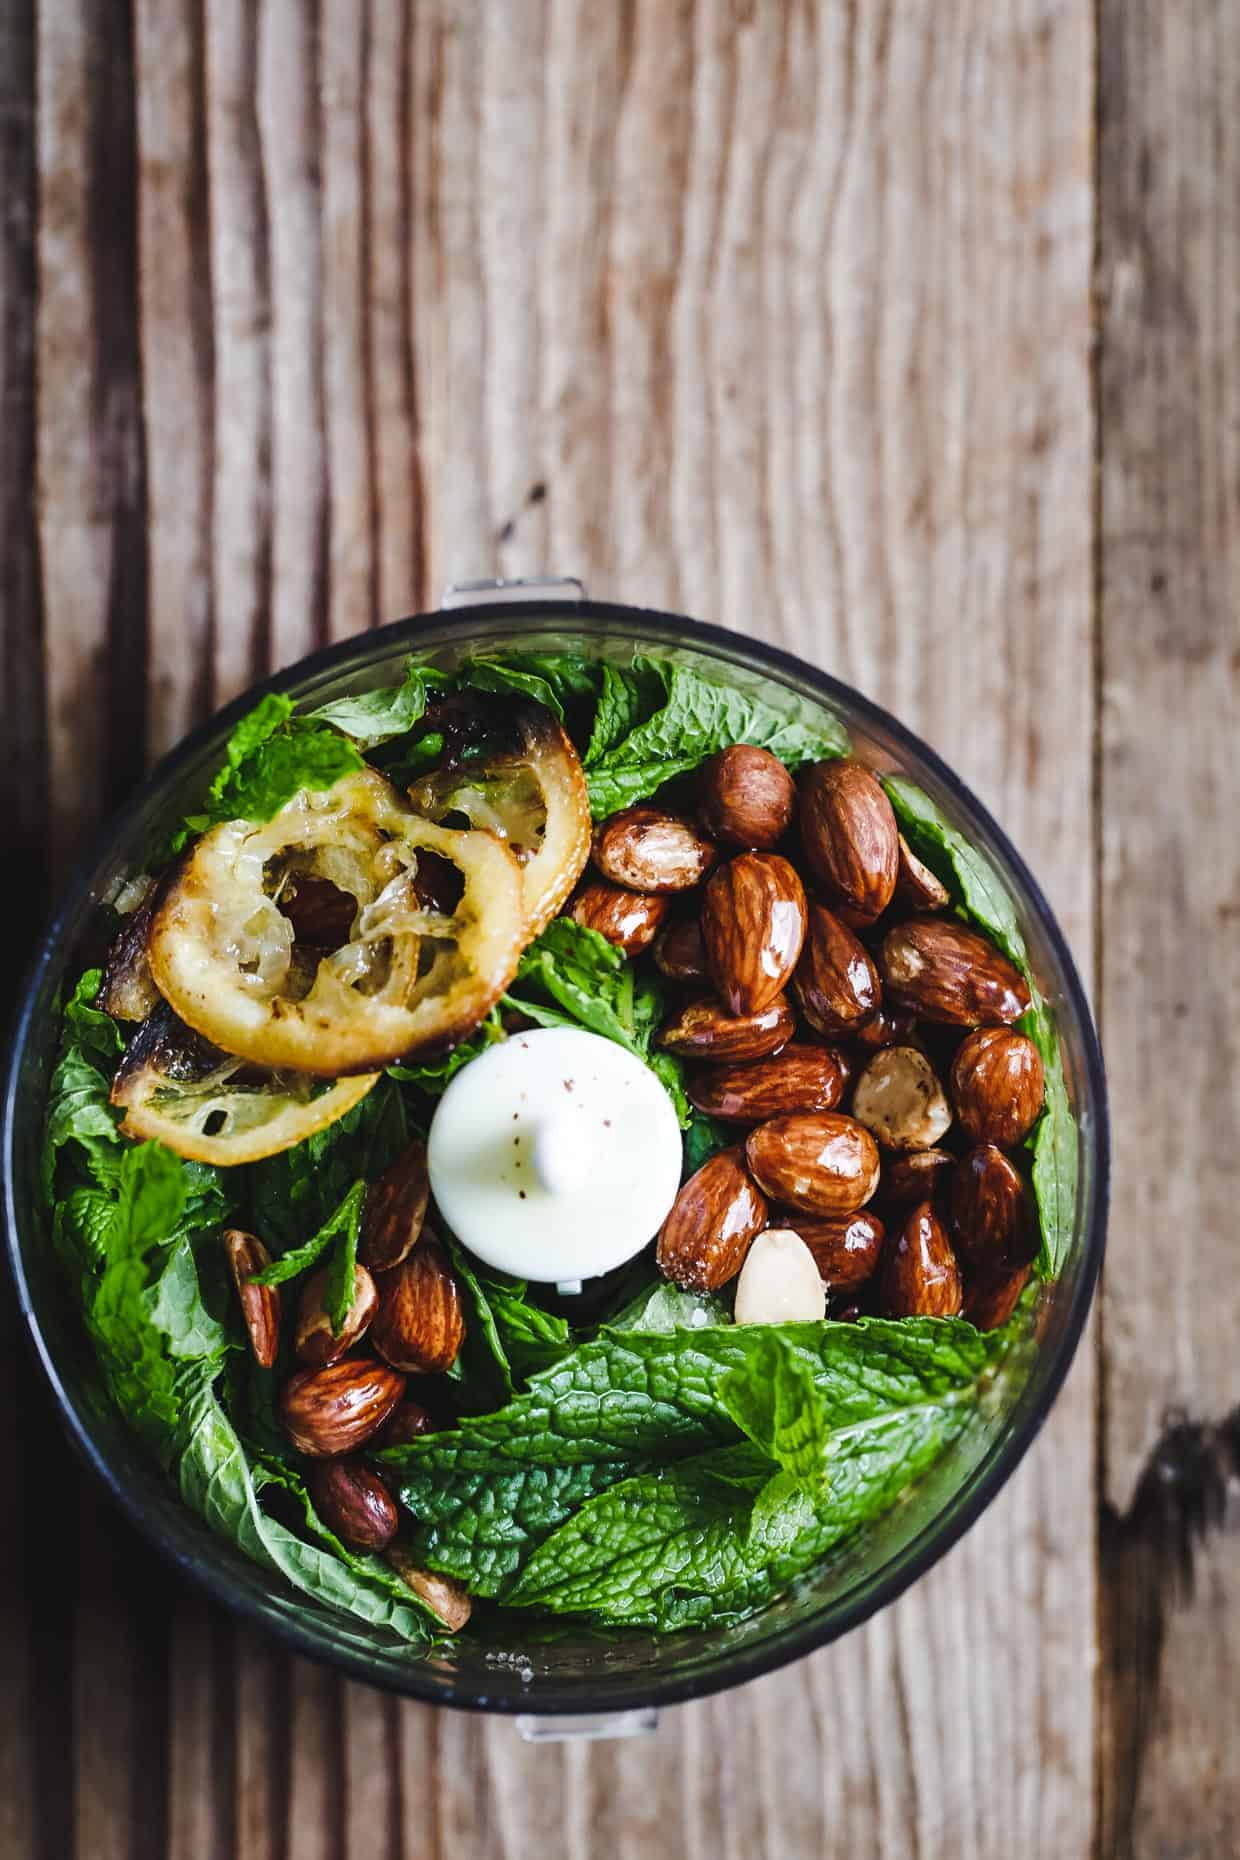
x=646 y=849
x=846 y=1247
x=315 y=1341
x=446 y=1598
x=629 y=919
x=409 y=1421
x=679 y=952
x=835 y=981
x=850 y=837
x=260 y=1304
x=824 y=1163
x=395 y=1210
x=702 y=1030
x=917 y=888
x=354 y=1502
x=798 y=1078
x=885 y=1028
x=988 y=1208
x=947 y=973
x=333 y=1411
x=916 y=1175
x=993 y=1294
x=997 y=1085
x=900 y=1101
x=419 y=1325
x=746 y=797
x=704 y=1240
x=753 y=927
x=921 y=1277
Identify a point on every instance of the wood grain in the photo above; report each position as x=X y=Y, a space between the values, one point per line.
x=1170 y=410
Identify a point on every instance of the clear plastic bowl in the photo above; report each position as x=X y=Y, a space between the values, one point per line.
x=576 y=1672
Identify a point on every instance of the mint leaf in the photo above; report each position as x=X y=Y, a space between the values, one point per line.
x=481 y=1371
x=435 y=1075
x=294 y=1192
x=666 y=1308
x=629 y=695
x=552 y=679
x=270 y=756
x=79 y=1112
x=342 y=1225
x=532 y=1339
x=704 y=1138
x=1053 y=1143
x=775 y=1400
x=976 y=888
x=697 y=718
x=374 y=717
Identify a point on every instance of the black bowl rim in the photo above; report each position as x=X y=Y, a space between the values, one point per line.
x=936 y=1539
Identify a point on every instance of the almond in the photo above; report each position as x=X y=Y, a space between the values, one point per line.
x=917 y=1175
x=846 y=1247
x=886 y=1028
x=920 y=1275
x=753 y=927
x=443 y=1595
x=629 y=919
x=354 y=1502
x=821 y=1164
x=395 y=1210
x=950 y=974
x=702 y=1030
x=645 y=849
x=850 y=837
x=333 y=1411
x=917 y=889
x=315 y=1341
x=779 y=1282
x=260 y=1304
x=997 y=1084
x=407 y=1422
x=835 y=981
x=746 y=797
x=714 y=1218
x=988 y=1211
x=679 y=952
x=899 y=1099
x=419 y=1325
x=799 y=1078
x=993 y=1294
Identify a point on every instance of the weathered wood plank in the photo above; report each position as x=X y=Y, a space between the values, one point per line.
x=1170 y=412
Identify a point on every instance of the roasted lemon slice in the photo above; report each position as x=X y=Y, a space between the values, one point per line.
x=532 y=796
x=176 y=1087
x=409 y=976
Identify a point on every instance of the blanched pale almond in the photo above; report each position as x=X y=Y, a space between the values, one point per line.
x=798 y=1078
x=629 y=919
x=835 y=981
x=947 y=973
x=645 y=849
x=920 y=1275
x=260 y=1304
x=779 y=1282
x=713 y=1220
x=753 y=927
x=850 y=837
x=997 y=1085
x=746 y=797
x=702 y=1030
x=822 y=1164
x=899 y=1099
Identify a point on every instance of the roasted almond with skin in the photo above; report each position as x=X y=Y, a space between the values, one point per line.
x=921 y=1277
x=704 y=1240
x=835 y=981
x=917 y=1175
x=407 y=1422
x=354 y=1502
x=988 y=1208
x=645 y=849
x=746 y=797
x=886 y=1028
x=315 y=1341
x=679 y=952
x=395 y=1210
x=846 y=1247
x=850 y=837
x=702 y=1030
x=333 y=1411
x=949 y=974
x=993 y=1294
x=917 y=888
x=260 y=1304
x=798 y=1078
x=419 y=1325
x=753 y=927
x=821 y=1164
x=997 y=1085
x=443 y=1595
x=900 y=1101
x=629 y=919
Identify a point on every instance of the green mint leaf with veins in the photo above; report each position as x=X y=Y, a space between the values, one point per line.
x=629 y=695
x=775 y=1400
x=374 y=717
x=338 y=1288
x=665 y=1308
x=697 y=718
x=979 y=895
x=482 y=1373
x=341 y=1226
x=293 y=1193
x=533 y=1339
x=704 y=1138
x=551 y=679
x=79 y=1112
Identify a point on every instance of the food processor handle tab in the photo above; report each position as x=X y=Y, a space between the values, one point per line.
x=523 y=588
x=590 y=1726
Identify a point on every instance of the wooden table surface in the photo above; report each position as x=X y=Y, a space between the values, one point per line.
x=903 y=334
